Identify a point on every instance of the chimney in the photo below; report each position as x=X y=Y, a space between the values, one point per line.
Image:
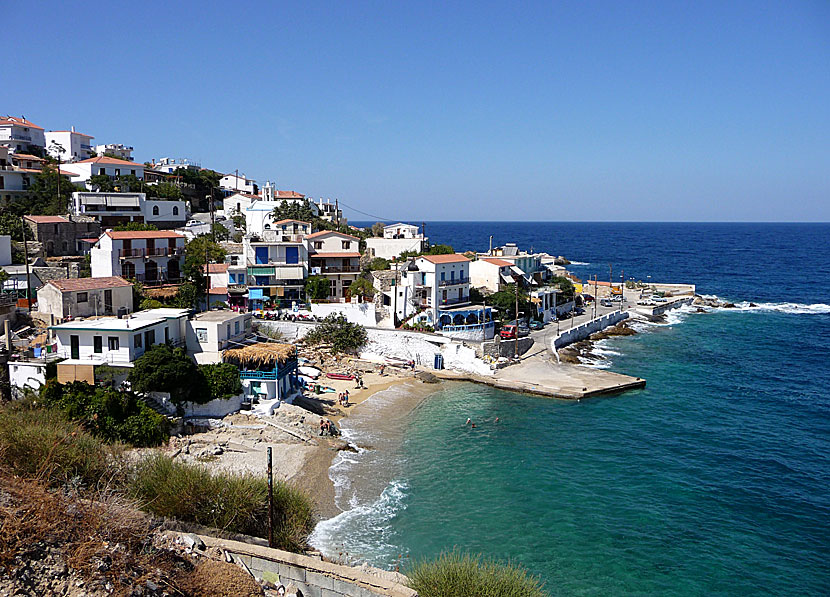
x=72 y=128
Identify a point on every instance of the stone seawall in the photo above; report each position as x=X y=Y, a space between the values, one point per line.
x=505 y=348
x=581 y=332
x=313 y=577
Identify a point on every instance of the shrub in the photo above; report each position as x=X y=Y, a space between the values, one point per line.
x=337 y=330
x=222 y=380
x=378 y=264
x=107 y=413
x=42 y=444
x=455 y=574
x=234 y=503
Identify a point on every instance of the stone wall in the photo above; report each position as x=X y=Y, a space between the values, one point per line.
x=504 y=348
x=313 y=577
x=581 y=332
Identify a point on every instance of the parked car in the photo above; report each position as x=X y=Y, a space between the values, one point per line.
x=193 y=223
x=606 y=303
x=536 y=325
x=508 y=332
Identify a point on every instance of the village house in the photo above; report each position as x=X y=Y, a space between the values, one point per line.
x=19 y=135
x=118 y=150
x=211 y=332
x=76 y=146
x=112 y=209
x=336 y=256
x=268 y=372
x=397 y=239
x=84 y=297
x=234 y=183
x=492 y=274
x=277 y=263
x=85 y=169
x=17 y=173
x=60 y=236
x=529 y=265
x=170 y=165
x=148 y=256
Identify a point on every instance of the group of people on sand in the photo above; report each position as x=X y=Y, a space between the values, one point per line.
x=343 y=398
x=328 y=428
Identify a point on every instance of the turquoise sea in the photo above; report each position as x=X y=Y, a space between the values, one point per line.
x=714 y=479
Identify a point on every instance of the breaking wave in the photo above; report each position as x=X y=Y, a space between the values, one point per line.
x=793 y=308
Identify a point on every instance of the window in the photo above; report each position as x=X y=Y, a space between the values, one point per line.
x=236 y=327
x=318 y=244
x=83 y=297
x=347 y=244
x=97 y=345
x=118 y=171
x=137 y=341
x=292 y=255
x=175 y=210
x=228 y=331
x=112 y=342
x=132 y=172
x=102 y=171
x=201 y=334
x=155 y=210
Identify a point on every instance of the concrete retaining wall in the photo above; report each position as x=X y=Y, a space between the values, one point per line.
x=581 y=332
x=504 y=348
x=313 y=577
x=362 y=313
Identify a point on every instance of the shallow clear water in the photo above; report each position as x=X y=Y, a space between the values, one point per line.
x=715 y=479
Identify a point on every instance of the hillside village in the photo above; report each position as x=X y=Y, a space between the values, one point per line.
x=104 y=256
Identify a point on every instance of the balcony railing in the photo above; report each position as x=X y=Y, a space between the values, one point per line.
x=338 y=269
x=154 y=252
x=276 y=236
x=454 y=301
x=454 y=281
x=161 y=278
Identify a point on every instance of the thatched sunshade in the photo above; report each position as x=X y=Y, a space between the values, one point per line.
x=256 y=355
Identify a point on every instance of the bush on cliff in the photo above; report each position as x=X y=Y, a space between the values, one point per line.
x=233 y=503
x=336 y=330
x=455 y=574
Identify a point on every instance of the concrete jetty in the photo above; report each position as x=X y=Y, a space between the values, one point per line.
x=536 y=374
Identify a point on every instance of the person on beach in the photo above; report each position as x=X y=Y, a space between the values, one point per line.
x=322 y=427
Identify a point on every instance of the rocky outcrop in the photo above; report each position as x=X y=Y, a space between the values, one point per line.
x=561 y=261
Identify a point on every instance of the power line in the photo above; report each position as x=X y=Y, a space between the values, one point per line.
x=364 y=213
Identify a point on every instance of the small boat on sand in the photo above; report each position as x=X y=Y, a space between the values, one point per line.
x=339 y=376
x=309 y=371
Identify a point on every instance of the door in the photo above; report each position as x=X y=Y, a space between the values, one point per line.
x=262 y=255
x=292 y=255
x=151 y=271
x=74 y=347
x=108 y=302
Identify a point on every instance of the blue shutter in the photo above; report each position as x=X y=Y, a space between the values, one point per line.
x=292 y=255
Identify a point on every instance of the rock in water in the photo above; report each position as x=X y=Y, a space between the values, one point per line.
x=426 y=377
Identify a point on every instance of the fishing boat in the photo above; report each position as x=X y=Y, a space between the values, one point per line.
x=309 y=371
x=339 y=376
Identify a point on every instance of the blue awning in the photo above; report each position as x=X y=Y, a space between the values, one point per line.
x=255 y=293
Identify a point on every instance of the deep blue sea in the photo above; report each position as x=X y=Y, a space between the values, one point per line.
x=713 y=480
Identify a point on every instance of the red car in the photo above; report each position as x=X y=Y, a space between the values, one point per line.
x=508 y=332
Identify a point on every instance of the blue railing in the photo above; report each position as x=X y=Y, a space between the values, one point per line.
x=453 y=281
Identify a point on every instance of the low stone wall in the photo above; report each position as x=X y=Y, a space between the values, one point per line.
x=362 y=313
x=660 y=309
x=581 y=332
x=504 y=348
x=313 y=577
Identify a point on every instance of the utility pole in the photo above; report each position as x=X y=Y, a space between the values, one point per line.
x=207 y=280
x=516 y=342
x=337 y=211
x=622 y=290
x=236 y=179
x=596 y=298
x=26 y=261
x=490 y=252
x=212 y=221
x=270 y=501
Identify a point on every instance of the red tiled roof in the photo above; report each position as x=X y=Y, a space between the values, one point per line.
x=324 y=255
x=452 y=258
x=108 y=160
x=7 y=120
x=47 y=219
x=324 y=232
x=217 y=268
x=76 y=284
x=74 y=133
x=26 y=156
x=499 y=262
x=219 y=290
x=248 y=195
x=122 y=234
x=89 y=240
x=289 y=194
x=288 y=221
x=66 y=173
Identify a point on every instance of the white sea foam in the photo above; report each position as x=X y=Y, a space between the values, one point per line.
x=359 y=523
x=794 y=308
x=580 y=263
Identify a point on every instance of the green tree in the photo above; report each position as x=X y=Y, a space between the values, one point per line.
x=11 y=224
x=220 y=232
x=138 y=226
x=187 y=296
x=565 y=285
x=43 y=197
x=317 y=288
x=505 y=302
x=294 y=210
x=222 y=380
x=439 y=250
x=164 y=368
x=377 y=229
x=344 y=337
x=197 y=252
x=362 y=287
x=239 y=222
x=378 y=264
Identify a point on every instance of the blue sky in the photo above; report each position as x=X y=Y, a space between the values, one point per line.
x=701 y=111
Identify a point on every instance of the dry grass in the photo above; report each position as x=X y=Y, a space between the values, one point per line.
x=266 y=353
x=212 y=578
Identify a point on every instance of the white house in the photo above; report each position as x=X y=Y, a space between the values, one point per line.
x=112 y=209
x=5 y=249
x=19 y=135
x=237 y=203
x=26 y=374
x=491 y=273
x=83 y=170
x=170 y=165
x=148 y=256
x=211 y=332
x=119 y=150
x=76 y=146
x=84 y=297
x=335 y=256
x=233 y=183
x=277 y=263
x=397 y=239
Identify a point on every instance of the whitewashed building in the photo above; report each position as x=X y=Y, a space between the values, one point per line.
x=119 y=150
x=112 y=209
x=20 y=135
x=277 y=263
x=84 y=297
x=211 y=332
x=76 y=146
x=491 y=273
x=85 y=169
x=26 y=374
x=148 y=256
x=234 y=183
x=397 y=239
x=336 y=256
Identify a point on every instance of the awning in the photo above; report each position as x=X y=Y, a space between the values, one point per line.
x=260 y=271
x=517 y=270
x=255 y=293
x=122 y=201
x=507 y=279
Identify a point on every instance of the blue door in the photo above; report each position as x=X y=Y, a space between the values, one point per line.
x=262 y=254
x=292 y=255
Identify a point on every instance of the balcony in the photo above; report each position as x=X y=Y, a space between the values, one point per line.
x=336 y=269
x=276 y=236
x=454 y=301
x=154 y=252
x=160 y=280
x=453 y=282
